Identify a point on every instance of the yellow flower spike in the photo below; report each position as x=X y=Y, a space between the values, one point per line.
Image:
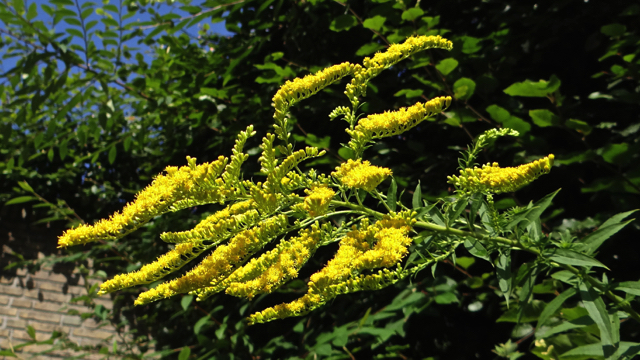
x=381 y=244
x=220 y=263
x=165 y=264
x=396 y=122
x=274 y=178
x=361 y=174
x=317 y=201
x=218 y=226
x=269 y=271
x=239 y=248
x=301 y=88
x=178 y=184
x=493 y=179
x=392 y=55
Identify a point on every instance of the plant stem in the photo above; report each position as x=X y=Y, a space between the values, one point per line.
x=516 y=244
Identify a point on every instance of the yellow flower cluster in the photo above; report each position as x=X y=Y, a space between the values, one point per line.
x=218 y=226
x=494 y=179
x=269 y=271
x=167 y=263
x=361 y=174
x=317 y=201
x=155 y=199
x=396 y=122
x=301 y=88
x=398 y=52
x=220 y=263
x=382 y=244
x=393 y=54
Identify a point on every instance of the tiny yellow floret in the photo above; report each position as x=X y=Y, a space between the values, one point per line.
x=317 y=201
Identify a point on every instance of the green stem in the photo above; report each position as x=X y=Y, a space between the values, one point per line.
x=516 y=244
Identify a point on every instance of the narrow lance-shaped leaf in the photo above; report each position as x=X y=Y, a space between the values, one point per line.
x=503 y=271
x=554 y=305
x=598 y=312
x=391 y=195
x=592 y=242
x=417 y=197
x=534 y=228
x=570 y=257
x=630 y=287
x=456 y=209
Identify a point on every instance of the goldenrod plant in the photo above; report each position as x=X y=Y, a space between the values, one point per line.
x=270 y=227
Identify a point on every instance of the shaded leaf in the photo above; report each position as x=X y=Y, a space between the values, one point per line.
x=554 y=306
x=534 y=89
x=570 y=257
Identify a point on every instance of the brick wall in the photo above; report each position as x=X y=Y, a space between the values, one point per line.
x=42 y=300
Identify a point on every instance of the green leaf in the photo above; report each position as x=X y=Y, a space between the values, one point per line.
x=412 y=14
x=534 y=89
x=186 y=301
x=598 y=312
x=38 y=140
x=343 y=22
x=463 y=88
x=565 y=276
x=630 y=287
x=62 y=149
x=33 y=11
x=614 y=153
x=544 y=118
x=112 y=154
x=554 y=305
x=26 y=187
x=416 y=201
x=593 y=351
x=592 y=242
x=529 y=283
x=534 y=215
x=31 y=331
x=465 y=261
x=21 y=199
x=470 y=44
x=409 y=93
x=528 y=313
x=200 y=323
x=476 y=249
x=613 y=29
x=369 y=48
x=446 y=298
x=454 y=211
x=375 y=23
x=498 y=113
x=391 y=195
x=517 y=124
x=577 y=323
x=503 y=272
x=579 y=126
x=570 y=257
x=446 y=66
x=184 y=353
